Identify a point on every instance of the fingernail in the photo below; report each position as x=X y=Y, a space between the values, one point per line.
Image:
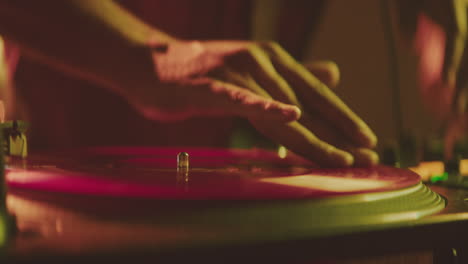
x=366 y=158
x=288 y=113
x=293 y=113
x=372 y=139
x=348 y=159
x=374 y=158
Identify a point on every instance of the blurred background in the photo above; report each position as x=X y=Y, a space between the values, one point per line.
x=355 y=36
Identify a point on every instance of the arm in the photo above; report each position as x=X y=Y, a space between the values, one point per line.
x=94 y=40
x=437 y=30
x=168 y=79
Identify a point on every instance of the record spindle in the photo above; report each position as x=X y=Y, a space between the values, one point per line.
x=183 y=169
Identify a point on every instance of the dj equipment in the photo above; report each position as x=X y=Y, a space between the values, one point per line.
x=138 y=204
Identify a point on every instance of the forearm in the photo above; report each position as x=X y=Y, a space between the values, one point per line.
x=95 y=40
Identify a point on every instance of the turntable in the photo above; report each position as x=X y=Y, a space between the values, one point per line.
x=137 y=204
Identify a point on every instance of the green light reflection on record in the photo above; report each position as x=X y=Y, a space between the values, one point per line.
x=440 y=177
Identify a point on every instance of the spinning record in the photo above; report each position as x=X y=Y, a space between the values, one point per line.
x=211 y=174
x=128 y=202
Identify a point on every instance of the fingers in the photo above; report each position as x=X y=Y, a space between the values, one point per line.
x=234 y=100
x=257 y=64
x=323 y=136
x=362 y=156
x=316 y=97
x=262 y=76
x=300 y=140
x=326 y=71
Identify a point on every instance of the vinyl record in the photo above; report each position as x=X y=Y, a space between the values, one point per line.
x=212 y=174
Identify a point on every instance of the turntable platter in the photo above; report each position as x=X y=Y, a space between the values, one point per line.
x=126 y=203
x=213 y=174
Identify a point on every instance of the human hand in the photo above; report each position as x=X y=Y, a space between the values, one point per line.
x=437 y=30
x=261 y=82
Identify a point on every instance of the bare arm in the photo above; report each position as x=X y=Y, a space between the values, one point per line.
x=99 y=41
x=94 y=40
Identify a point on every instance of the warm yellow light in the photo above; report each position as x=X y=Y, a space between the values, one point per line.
x=428 y=169
x=328 y=183
x=464 y=167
